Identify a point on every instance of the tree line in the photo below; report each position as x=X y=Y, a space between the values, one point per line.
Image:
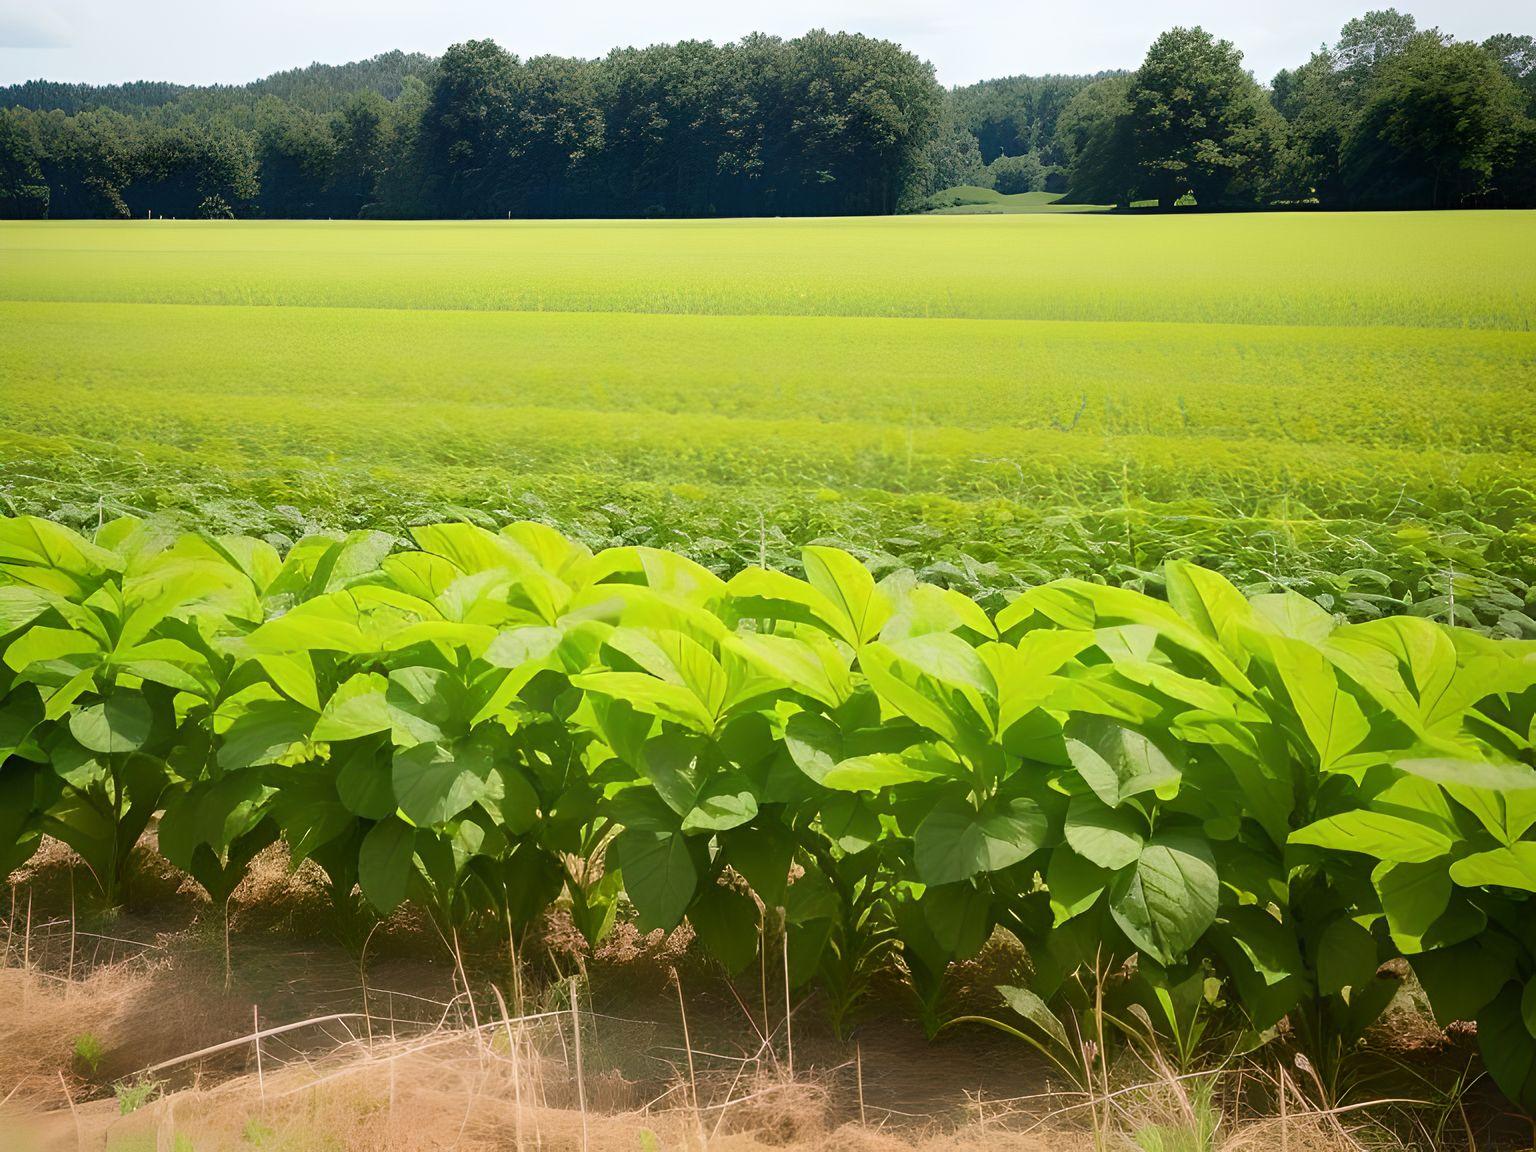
x=1389 y=116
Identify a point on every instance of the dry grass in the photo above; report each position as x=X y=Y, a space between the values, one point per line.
x=418 y=1068
x=511 y=1084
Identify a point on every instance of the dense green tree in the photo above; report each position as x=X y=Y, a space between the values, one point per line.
x=85 y=161
x=954 y=156
x=822 y=124
x=23 y=191
x=1516 y=56
x=1435 y=120
x=1011 y=174
x=191 y=170
x=1312 y=100
x=360 y=137
x=295 y=154
x=1094 y=136
x=1200 y=123
x=1368 y=41
x=1017 y=114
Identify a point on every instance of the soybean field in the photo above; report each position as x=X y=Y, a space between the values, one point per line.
x=1335 y=404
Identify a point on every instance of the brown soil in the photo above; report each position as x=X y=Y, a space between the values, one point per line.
x=394 y=1056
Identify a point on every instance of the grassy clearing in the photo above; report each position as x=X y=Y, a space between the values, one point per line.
x=971 y=200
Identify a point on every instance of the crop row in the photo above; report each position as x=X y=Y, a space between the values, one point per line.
x=490 y=723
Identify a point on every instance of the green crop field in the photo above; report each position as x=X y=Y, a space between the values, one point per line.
x=1333 y=403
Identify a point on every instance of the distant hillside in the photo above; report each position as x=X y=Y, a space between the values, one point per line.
x=316 y=88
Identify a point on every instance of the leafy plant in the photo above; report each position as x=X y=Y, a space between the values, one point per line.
x=1205 y=814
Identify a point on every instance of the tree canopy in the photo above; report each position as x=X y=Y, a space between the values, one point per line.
x=1388 y=116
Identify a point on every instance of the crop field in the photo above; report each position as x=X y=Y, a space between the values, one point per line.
x=1331 y=403
x=456 y=638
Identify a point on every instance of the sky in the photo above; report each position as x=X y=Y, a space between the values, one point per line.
x=216 y=41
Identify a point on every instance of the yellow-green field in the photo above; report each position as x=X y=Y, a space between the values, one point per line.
x=1292 y=397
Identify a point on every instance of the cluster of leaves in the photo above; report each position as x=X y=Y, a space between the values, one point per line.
x=1209 y=789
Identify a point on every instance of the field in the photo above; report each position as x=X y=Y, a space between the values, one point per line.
x=438 y=637
x=1332 y=403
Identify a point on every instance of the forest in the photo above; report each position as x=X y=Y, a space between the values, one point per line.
x=1390 y=115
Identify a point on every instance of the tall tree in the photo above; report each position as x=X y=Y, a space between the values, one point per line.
x=1516 y=56
x=1094 y=138
x=1312 y=100
x=1200 y=123
x=1367 y=41
x=1435 y=118
x=23 y=191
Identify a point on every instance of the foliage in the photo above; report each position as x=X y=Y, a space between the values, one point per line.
x=1016 y=115
x=823 y=124
x=1349 y=429
x=1094 y=140
x=1431 y=126
x=1199 y=123
x=1013 y=174
x=1212 y=786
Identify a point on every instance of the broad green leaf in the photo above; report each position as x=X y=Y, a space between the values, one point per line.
x=955 y=842
x=1075 y=884
x=1508 y=1048
x=435 y=782
x=1029 y=1005
x=364 y=781
x=357 y=708
x=959 y=916
x=1413 y=896
x=725 y=802
x=117 y=725
x=1393 y=838
x=1332 y=719
x=384 y=863
x=1346 y=957
x=873 y=773
x=1294 y=616
x=425 y=705
x=1109 y=837
x=814 y=742
x=659 y=876
x=1116 y=762
x=1210 y=602
x=1268 y=945
x=938 y=681
x=847 y=584
x=1483 y=774
x=264 y=733
x=1463 y=979
x=41 y=644
x=19 y=606
x=763 y=856
x=850 y=822
x=1166 y=902
x=726 y=922
x=1501 y=795
x=1511 y=867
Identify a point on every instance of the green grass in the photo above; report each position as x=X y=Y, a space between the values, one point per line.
x=971 y=200
x=1296 y=399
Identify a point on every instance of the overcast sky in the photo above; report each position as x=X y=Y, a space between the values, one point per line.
x=208 y=41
